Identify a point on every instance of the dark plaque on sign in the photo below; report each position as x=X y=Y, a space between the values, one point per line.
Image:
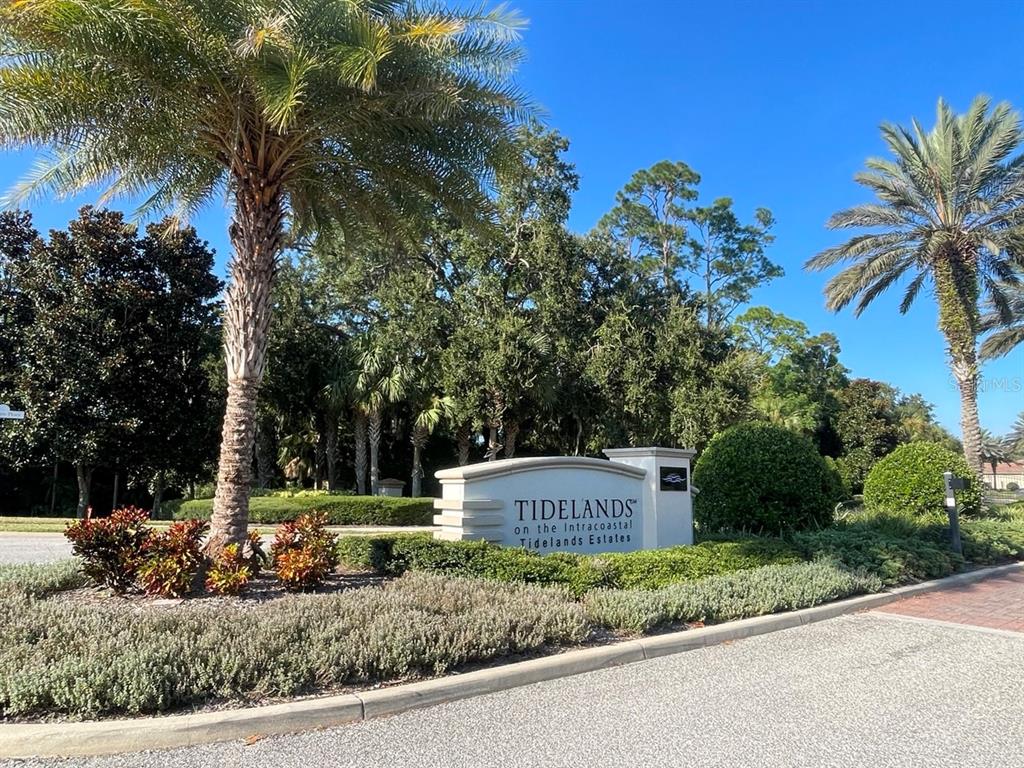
x=673 y=478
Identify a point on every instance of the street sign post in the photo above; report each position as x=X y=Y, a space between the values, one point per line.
x=953 y=484
x=7 y=413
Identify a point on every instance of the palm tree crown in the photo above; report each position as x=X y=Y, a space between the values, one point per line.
x=304 y=112
x=1006 y=323
x=349 y=109
x=950 y=213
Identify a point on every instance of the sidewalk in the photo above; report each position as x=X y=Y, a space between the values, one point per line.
x=996 y=603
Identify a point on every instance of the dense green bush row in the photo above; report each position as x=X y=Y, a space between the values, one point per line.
x=340 y=509
x=728 y=596
x=903 y=548
x=84 y=660
x=393 y=555
x=895 y=549
x=893 y=559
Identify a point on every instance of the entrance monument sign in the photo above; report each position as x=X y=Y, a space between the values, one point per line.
x=640 y=499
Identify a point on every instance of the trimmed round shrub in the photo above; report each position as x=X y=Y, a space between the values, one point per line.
x=1012 y=486
x=763 y=478
x=909 y=481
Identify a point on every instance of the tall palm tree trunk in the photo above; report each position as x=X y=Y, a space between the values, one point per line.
x=511 y=433
x=493 y=446
x=360 y=434
x=257 y=237
x=970 y=424
x=956 y=287
x=320 y=461
x=84 y=476
x=331 y=451
x=264 y=455
x=419 y=441
x=376 y=425
x=462 y=438
x=158 y=495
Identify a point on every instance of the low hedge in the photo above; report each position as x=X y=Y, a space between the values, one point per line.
x=893 y=559
x=728 y=596
x=89 y=659
x=40 y=579
x=340 y=509
x=643 y=569
x=991 y=541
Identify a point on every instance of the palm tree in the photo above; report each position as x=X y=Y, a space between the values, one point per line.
x=303 y=113
x=429 y=412
x=949 y=212
x=297 y=454
x=994 y=451
x=1016 y=437
x=380 y=382
x=1006 y=323
x=334 y=399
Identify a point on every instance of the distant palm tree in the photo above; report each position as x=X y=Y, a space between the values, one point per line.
x=429 y=410
x=950 y=212
x=304 y=113
x=994 y=451
x=1006 y=324
x=1016 y=437
x=381 y=381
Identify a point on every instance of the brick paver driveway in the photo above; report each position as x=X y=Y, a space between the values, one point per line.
x=996 y=603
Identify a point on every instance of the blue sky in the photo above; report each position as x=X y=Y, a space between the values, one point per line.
x=775 y=104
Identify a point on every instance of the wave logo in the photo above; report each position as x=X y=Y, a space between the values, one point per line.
x=673 y=478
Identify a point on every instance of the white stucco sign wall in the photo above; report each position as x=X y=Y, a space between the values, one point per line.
x=571 y=504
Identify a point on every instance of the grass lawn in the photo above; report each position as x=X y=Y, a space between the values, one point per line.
x=48 y=524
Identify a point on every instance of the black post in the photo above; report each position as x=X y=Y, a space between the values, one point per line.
x=952 y=484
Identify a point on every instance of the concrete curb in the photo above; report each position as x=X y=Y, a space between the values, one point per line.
x=105 y=737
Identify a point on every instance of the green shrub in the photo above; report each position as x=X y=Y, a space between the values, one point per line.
x=909 y=480
x=392 y=555
x=653 y=568
x=987 y=542
x=40 y=579
x=845 y=479
x=304 y=552
x=398 y=554
x=111 y=548
x=763 y=479
x=892 y=558
x=84 y=660
x=300 y=493
x=340 y=510
x=171 y=509
x=853 y=468
x=1013 y=512
x=729 y=596
x=1012 y=486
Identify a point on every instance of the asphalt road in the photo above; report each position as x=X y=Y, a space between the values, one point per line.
x=864 y=690
x=33 y=547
